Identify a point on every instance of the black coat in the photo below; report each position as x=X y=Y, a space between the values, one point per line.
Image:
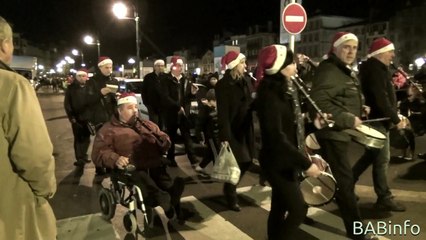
x=102 y=107
x=151 y=92
x=278 y=128
x=336 y=90
x=379 y=93
x=175 y=94
x=235 y=120
x=76 y=102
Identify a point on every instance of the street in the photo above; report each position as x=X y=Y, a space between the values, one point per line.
x=77 y=209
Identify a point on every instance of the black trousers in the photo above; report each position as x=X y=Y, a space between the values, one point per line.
x=286 y=197
x=209 y=154
x=81 y=141
x=230 y=190
x=336 y=154
x=156 y=186
x=174 y=123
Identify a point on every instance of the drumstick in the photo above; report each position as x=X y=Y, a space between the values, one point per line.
x=375 y=120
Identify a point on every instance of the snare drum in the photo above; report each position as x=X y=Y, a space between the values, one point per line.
x=318 y=191
x=367 y=136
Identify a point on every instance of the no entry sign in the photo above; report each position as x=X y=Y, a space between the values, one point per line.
x=294 y=18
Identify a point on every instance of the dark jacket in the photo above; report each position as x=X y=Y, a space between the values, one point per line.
x=139 y=141
x=278 y=128
x=207 y=123
x=336 y=90
x=234 y=108
x=175 y=94
x=379 y=93
x=101 y=107
x=151 y=92
x=76 y=102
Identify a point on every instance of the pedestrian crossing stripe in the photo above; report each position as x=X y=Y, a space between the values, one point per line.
x=212 y=227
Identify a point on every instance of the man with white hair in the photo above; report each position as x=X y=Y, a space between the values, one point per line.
x=27 y=168
x=78 y=112
x=380 y=95
x=151 y=93
x=102 y=98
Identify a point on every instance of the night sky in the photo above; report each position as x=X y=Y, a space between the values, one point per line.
x=165 y=25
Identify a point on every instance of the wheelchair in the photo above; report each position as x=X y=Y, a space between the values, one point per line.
x=122 y=191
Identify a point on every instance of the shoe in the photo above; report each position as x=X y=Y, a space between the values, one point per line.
x=79 y=163
x=368 y=236
x=172 y=163
x=200 y=170
x=389 y=205
x=177 y=190
x=422 y=155
x=234 y=207
x=308 y=221
x=193 y=160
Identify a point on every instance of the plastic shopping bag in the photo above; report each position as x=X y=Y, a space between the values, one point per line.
x=226 y=167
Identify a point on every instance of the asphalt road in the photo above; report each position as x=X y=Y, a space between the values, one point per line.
x=77 y=207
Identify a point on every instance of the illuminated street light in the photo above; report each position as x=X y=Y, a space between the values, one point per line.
x=75 y=52
x=90 y=41
x=120 y=11
x=131 y=61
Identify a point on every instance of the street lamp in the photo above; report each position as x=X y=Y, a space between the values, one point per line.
x=89 y=40
x=120 y=11
x=75 y=52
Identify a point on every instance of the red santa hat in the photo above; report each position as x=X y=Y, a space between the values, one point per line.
x=103 y=60
x=175 y=61
x=380 y=45
x=232 y=59
x=81 y=71
x=127 y=97
x=272 y=59
x=340 y=38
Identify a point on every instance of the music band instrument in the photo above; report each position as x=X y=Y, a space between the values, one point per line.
x=319 y=191
x=296 y=80
x=367 y=136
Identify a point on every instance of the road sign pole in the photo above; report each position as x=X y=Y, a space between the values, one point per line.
x=292 y=36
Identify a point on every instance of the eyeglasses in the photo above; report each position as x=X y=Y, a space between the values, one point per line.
x=81 y=75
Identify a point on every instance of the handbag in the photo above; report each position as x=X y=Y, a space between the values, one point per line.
x=226 y=168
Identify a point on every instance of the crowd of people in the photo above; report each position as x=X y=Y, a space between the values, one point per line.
x=227 y=105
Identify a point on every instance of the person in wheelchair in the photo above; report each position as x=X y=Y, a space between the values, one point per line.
x=127 y=139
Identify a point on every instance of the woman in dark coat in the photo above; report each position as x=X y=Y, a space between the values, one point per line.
x=279 y=157
x=234 y=103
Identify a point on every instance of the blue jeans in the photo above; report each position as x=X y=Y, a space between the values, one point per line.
x=379 y=158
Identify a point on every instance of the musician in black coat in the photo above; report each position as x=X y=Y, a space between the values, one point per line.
x=280 y=158
x=177 y=92
x=376 y=82
x=151 y=92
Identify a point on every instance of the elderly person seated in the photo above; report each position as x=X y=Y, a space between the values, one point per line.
x=126 y=139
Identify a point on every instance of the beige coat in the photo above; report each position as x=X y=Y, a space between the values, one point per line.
x=27 y=168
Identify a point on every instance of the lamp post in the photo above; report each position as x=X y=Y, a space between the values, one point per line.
x=120 y=11
x=89 y=40
x=75 y=52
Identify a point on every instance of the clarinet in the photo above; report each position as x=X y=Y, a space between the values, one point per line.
x=416 y=85
x=296 y=80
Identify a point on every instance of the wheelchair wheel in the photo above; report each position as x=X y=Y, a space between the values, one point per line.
x=130 y=223
x=108 y=205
